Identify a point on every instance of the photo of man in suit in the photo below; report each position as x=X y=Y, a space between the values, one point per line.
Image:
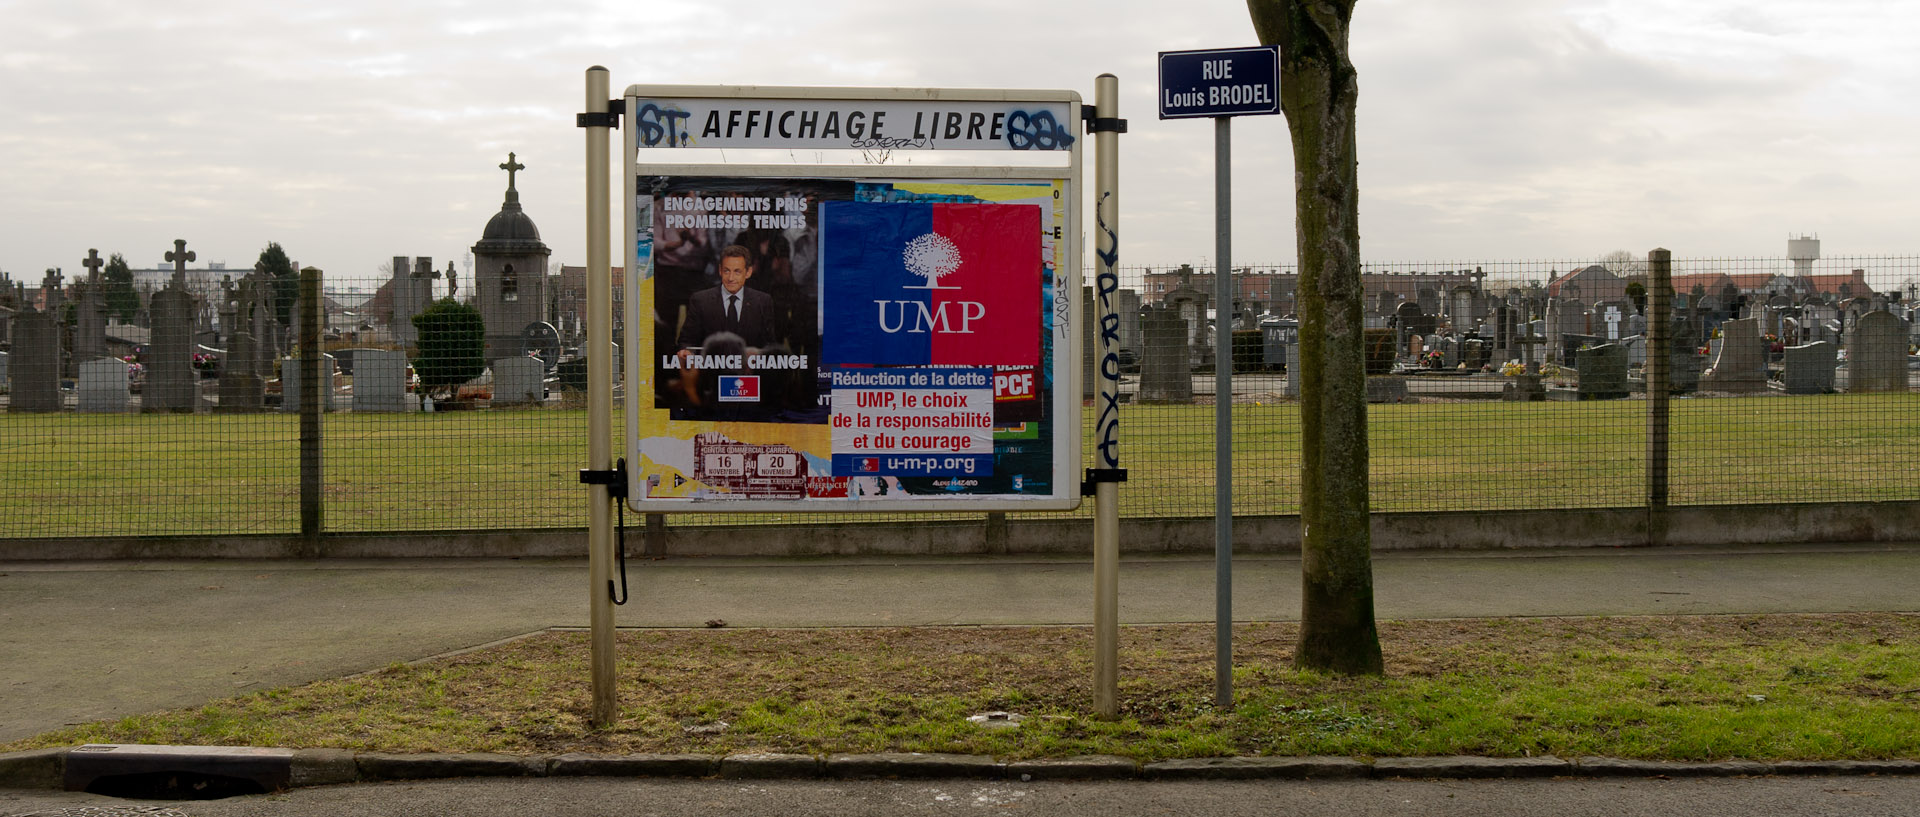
x=731 y=307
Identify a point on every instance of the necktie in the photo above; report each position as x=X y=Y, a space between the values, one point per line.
x=733 y=309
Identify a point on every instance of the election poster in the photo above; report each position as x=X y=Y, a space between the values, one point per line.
x=817 y=343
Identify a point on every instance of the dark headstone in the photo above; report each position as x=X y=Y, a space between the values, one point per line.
x=34 y=365
x=171 y=382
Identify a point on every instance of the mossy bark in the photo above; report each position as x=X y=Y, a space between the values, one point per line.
x=1318 y=92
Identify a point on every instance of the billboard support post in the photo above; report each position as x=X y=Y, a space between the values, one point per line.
x=1106 y=480
x=600 y=545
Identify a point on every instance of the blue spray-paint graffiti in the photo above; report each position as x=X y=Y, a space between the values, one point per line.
x=1107 y=282
x=1037 y=131
x=656 y=124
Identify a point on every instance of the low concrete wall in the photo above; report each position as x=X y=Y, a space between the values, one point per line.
x=1606 y=527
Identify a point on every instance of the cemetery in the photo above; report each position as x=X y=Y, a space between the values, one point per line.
x=1491 y=391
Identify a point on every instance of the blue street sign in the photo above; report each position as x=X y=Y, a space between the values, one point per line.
x=1220 y=82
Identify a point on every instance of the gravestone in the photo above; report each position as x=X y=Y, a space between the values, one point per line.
x=34 y=370
x=1808 y=369
x=518 y=380
x=1475 y=352
x=1461 y=308
x=290 y=384
x=1741 y=362
x=1412 y=322
x=1608 y=319
x=90 y=314
x=3 y=369
x=1877 y=354
x=1636 y=351
x=1565 y=316
x=1683 y=373
x=1449 y=351
x=242 y=384
x=1571 y=343
x=172 y=384
x=1603 y=372
x=1378 y=349
x=103 y=385
x=379 y=380
x=1165 y=376
x=53 y=292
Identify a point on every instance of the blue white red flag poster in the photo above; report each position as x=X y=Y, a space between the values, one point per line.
x=930 y=283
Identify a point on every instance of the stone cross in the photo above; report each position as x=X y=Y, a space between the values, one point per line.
x=1526 y=343
x=180 y=255
x=1613 y=323
x=52 y=281
x=511 y=167
x=93 y=265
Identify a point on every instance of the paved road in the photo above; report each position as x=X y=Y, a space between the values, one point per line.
x=1773 y=797
x=88 y=640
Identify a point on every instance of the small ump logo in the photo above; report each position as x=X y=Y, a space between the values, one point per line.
x=931 y=256
x=740 y=388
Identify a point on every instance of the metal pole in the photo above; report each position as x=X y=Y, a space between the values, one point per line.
x=315 y=385
x=1223 y=411
x=599 y=408
x=1106 y=492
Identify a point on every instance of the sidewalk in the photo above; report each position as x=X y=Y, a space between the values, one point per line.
x=87 y=640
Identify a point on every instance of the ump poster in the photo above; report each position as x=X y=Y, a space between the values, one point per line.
x=838 y=340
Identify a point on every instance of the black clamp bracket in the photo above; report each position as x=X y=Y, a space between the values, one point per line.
x=1095 y=476
x=1101 y=124
x=616 y=108
x=615 y=478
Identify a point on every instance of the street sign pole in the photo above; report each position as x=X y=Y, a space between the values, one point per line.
x=1221 y=83
x=1223 y=412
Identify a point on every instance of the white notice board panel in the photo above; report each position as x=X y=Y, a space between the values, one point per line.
x=851 y=337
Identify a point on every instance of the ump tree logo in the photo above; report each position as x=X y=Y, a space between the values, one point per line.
x=931 y=256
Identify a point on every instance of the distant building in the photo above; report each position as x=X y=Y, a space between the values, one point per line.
x=569 y=290
x=1273 y=290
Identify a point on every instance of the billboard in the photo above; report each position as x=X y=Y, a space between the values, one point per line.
x=829 y=340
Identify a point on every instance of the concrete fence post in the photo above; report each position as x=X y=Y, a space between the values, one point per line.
x=315 y=384
x=1659 y=378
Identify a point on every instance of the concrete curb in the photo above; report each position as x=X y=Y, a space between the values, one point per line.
x=49 y=768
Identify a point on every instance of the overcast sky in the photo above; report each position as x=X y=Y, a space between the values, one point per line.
x=352 y=131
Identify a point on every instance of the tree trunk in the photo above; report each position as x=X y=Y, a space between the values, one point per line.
x=1318 y=92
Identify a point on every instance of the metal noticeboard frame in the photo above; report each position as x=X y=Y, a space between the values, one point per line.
x=690 y=121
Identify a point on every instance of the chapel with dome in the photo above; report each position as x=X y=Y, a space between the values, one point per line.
x=510 y=272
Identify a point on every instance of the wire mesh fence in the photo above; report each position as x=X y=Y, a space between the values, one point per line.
x=1496 y=386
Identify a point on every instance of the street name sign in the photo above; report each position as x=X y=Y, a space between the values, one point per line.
x=1220 y=82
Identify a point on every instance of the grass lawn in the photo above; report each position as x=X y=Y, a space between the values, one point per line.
x=1687 y=688
x=206 y=474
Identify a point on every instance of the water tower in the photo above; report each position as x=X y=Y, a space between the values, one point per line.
x=1803 y=251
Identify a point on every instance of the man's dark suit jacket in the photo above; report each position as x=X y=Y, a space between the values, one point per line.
x=707 y=314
